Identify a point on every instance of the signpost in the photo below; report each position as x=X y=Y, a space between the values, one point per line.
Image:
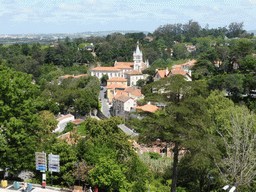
x=53 y=164
x=41 y=164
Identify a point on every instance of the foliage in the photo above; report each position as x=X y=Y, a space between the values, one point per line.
x=157 y=164
x=238 y=134
x=69 y=127
x=21 y=127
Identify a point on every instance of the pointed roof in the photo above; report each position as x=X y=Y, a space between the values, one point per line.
x=137 y=52
x=119 y=93
x=123 y=98
x=178 y=71
x=133 y=91
x=162 y=73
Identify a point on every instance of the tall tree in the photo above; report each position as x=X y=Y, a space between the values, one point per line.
x=20 y=125
x=239 y=136
x=184 y=119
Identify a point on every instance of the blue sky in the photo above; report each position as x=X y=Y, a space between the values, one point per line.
x=71 y=16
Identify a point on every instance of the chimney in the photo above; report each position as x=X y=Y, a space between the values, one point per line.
x=156 y=70
x=166 y=71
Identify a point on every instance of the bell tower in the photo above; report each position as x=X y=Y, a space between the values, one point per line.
x=137 y=58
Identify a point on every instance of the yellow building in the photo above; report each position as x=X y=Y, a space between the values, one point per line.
x=112 y=88
x=117 y=80
x=113 y=84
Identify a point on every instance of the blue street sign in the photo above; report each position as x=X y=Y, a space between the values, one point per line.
x=41 y=166
x=42 y=169
x=53 y=167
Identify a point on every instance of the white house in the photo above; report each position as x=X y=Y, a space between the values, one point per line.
x=122 y=106
x=62 y=122
x=125 y=69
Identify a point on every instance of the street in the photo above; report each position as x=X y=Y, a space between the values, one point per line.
x=104 y=103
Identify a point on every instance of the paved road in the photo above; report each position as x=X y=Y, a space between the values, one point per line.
x=127 y=130
x=105 y=111
x=104 y=102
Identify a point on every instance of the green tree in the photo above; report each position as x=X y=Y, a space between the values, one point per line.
x=237 y=166
x=184 y=118
x=104 y=79
x=20 y=125
x=248 y=64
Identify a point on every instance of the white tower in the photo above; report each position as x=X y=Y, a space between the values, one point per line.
x=137 y=58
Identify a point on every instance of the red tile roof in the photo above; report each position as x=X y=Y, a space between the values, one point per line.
x=105 y=69
x=162 y=73
x=117 y=79
x=148 y=107
x=65 y=117
x=123 y=98
x=77 y=121
x=114 y=85
x=119 y=93
x=178 y=72
x=123 y=67
x=124 y=63
x=133 y=91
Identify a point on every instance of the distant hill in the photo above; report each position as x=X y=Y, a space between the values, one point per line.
x=252 y=31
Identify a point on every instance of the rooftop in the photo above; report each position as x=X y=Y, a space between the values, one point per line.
x=105 y=69
x=114 y=85
x=123 y=98
x=117 y=79
x=133 y=91
x=148 y=108
x=64 y=117
x=77 y=121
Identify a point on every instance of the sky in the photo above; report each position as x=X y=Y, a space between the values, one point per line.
x=72 y=16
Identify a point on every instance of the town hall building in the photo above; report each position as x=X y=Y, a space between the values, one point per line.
x=132 y=71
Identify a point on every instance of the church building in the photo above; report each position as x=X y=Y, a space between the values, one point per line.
x=132 y=71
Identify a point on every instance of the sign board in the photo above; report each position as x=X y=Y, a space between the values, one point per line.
x=41 y=162
x=53 y=163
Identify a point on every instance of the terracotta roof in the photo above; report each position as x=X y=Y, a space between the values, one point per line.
x=66 y=76
x=124 y=63
x=191 y=63
x=119 y=93
x=123 y=98
x=178 y=72
x=148 y=38
x=105 y=69
x=123 y=67
x=114 y=85
x=117 y=79
x=66 y=116
x=162 y=73
x=133 y=72
x=77 y=121
x=82 y=75
x=148 y=107
x=133 y=91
